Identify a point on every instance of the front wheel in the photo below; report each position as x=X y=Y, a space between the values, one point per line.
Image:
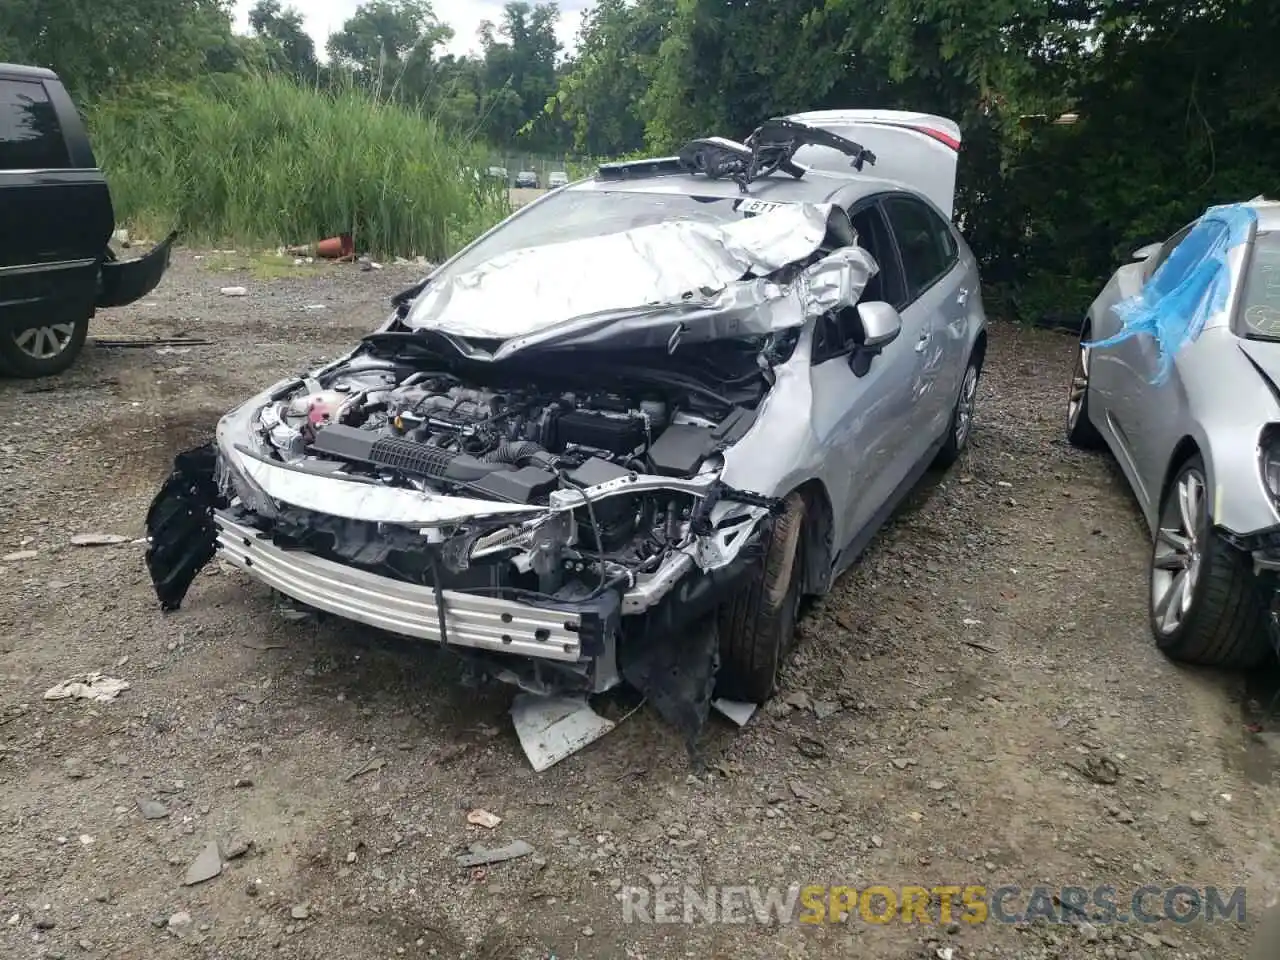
x=1205 y=603
x=758 y=625
x=42 y=351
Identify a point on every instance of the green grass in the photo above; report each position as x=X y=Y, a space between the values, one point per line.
x=261 y=161
x=262 y=265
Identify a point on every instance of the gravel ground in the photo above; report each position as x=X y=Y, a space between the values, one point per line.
x=935 y=727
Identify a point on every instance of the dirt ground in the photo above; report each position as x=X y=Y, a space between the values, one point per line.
x=938 y=725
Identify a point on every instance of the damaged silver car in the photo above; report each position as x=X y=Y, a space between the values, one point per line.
x=622 y=434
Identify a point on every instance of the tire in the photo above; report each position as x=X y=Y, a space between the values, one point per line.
x=757 y=627
x=1221 y=620
x=42 y=351
x=1081 y=432
x=960 y=426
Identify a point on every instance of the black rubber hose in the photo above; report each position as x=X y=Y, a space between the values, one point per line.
x=516 y=452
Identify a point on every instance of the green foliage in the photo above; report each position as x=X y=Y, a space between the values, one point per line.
x=96 y=46
x=263 y=160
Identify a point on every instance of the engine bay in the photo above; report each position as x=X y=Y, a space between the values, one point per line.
x=382 y=421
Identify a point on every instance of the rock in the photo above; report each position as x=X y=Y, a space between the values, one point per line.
x=588 y=932
x=936 y=785
x=827 y=835
x=300 y=912
x=75 y=769
x=45 y=923
x=237 y=848
x=97 y=539
x=103 y=895
x=798 y=700
x=876 y=841
x=179 y=923
x=1199 y=818
x=19 y=555
x=233 y=291
x=901 y=762
x=1088 y=932
x=152 y=809
x=204 y=867
x=824 y=708
x=1151 y=940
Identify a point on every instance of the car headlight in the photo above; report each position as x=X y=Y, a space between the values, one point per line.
x=1269 y=458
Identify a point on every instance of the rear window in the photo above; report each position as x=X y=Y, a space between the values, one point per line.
x=1260 y=299
x=29 y=135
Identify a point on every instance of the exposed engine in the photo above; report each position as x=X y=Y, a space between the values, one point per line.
x=516 y=446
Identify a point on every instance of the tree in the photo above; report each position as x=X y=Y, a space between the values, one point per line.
x=288 y=46
x=519 y=72
x=95 y=46
x=390 y=42
x=602 y=92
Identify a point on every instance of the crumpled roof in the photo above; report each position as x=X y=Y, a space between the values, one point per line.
x=535 y=288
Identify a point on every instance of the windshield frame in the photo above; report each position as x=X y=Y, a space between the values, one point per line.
x=1239 y=325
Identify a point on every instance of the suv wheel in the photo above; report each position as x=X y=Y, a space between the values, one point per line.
x=1205 y=606
x=757 y=627
x=42 y=351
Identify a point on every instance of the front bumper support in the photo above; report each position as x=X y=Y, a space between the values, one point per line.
x=476 y=622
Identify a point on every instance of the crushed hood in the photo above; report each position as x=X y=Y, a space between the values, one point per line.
x=535 y=289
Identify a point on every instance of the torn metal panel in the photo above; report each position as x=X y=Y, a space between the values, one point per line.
x=552 y=728
x=1192 y=285
x=671 y=263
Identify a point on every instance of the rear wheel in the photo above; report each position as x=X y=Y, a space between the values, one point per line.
x=42 y=351
x=961 y=425
x=757 y=627
x=1080 y=429
x=1206 y=606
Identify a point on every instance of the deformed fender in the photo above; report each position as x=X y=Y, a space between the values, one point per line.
x=181 y=534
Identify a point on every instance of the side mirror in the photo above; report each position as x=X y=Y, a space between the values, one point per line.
x=881 y=324
x=1147 y=252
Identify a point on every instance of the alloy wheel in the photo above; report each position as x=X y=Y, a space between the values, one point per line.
x=1178 y=552
x=1079 y=387
x=966 y=405
x=44 y=343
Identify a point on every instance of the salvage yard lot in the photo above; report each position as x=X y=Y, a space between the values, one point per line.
x=936 y=727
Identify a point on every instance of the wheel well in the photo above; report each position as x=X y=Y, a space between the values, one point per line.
x=1184 y=451
x=817 y=535
x=980 y=349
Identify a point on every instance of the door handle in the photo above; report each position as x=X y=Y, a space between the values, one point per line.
x=963 y=296
x=923 y=342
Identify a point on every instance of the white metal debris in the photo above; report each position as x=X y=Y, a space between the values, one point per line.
x=552 y=728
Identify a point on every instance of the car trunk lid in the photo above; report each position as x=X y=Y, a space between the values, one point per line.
x=920 y=150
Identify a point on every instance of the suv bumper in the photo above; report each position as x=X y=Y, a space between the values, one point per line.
x=126 y=281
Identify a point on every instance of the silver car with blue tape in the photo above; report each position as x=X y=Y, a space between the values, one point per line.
x=1178 y=374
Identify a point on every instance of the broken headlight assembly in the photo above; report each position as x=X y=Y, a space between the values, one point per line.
x=1269 y=459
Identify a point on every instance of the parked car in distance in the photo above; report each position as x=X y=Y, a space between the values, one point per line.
x=649 y=407
x=1177 y=372
x=527 y=179
x=56 y=222
x=499 y=173
x=557 y=178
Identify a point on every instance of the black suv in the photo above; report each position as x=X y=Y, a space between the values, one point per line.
x=56 y=221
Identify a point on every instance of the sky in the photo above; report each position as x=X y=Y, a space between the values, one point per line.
x=324 y=17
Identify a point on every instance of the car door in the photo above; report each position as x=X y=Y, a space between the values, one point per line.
x=860 y=420
x=936 y=300
x=1148 y=393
